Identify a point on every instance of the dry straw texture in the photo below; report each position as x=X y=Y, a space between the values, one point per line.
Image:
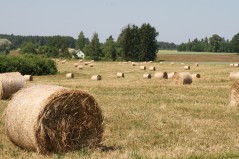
x=234 y=76
x=146 y=76
x=46 y=118
x=142 y=68
x=196 y=75
x=161 y=75
x=10 y=83
x=186 y=67
x=96 y=77
x=170 y=75
x=120 y=74
x=234 y=94
x=152 y=68
x=182 y=78
x=28 y=77
x=69 y=75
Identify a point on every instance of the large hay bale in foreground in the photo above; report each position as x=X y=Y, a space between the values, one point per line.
x=96 y=77
x=120 y=75
x=161 y=75
x=234 y=76
x=10 y=83
x=234 y=94
x=69 y=75
x=170 y=75
x=182 y=78
x=28 y=77
x=46 y=118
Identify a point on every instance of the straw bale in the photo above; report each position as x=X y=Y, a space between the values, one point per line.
x=142 y=67
x=182 y=78
x=196 y=75
x=46 y=118
x=231 y=64
x=86 y=63
x=28 y=77
x=133 y=64
x=152 y=68
x=150 y=61
x=170 y=75
x=197 y=64
x=120 y=74
x=236 y=65
x=80 y=67
x=234 y=94
x=186 y=67
x=10 y=83
x=96 y=77
x=146 y=76
x=63 y=61
x=80 y=61
x=234 y=76
x=91 y=65
x=69 y=75
x=161 y=75
x=171 y=63
x=76 y=64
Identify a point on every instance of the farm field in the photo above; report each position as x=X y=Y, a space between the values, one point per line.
x=151 y=118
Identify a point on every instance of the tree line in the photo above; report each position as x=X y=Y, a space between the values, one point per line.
x=214 y=44
x=136 y=43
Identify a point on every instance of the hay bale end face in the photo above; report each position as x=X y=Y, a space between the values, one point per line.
x=142 y=68
x=182 y=78
x=10 y=83
x=69 y=75
x=152 y=68
x=234 y=94
x=53 y=119
x=120 y=75
x=234 y=76
x=161 y=75
x=28 y=77
x=186 y=67
x=196 y=75
x=146 y=76
x=96 y=77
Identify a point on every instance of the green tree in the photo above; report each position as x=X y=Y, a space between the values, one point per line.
x=235 y=43
x=81 y=41
x=109 y=49
x=214 y=42
x=28 y=47
x=95 y=48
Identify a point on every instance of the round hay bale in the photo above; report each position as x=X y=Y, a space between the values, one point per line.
x=231 y=64
x=171 y=63
x=120 y=74
x=150 y=61
x=76 y=64
x=197 y=64
x=234 y=94
x=80 y=67
x=161 y=75
x=142 y=68
x=170 y=75
x=234 y=76
x=86 y=63
x=133 y=64
x=69 y=75
x=146 y=76
x=152 y=68
x=10 y=83
x=161 y=62
x=91 y=65
x=80 y=61
x=63 y=61
x=236 y=65
x=28 y=77
x=53 y=119
x=196 y=75
x=182 y=78
x=186 y=67
x=124 y=62
x=182 y=63
x=96 y=77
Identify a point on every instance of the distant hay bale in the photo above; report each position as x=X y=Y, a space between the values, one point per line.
x=234 y=76
x=96 y=77
x=182 y=63
x=171 y=63
x=152 y=68
x=80 y=61
x=231 y=64
x=196 y=75
x=236 y=65
x=234 y=94
x=80 y=67
x=197 y=64
x=46 y=118
x=133 y=64
x=146 y=76
x=161 y=75
x=161 y=62
x=28 y=77
x=182 y=78
x=186 y=67
x=10 y=83
x=91 y=65
x=120 y=74
x=142 y=67
x=170 y=75
x=63 y=61
x=86 y=63
x=150 y=61
x=69 y=75
x=76 y=64
x=124 y=62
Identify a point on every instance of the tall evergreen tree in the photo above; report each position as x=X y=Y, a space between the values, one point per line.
x=95 y=48
x=235 y=43
x=81 y=41
x=109 y=49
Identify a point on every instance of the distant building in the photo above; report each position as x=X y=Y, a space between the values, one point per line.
x=80 y=54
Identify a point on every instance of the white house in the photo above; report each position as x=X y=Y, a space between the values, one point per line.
x=80 y=54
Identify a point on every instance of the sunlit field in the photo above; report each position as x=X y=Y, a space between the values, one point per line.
x=151 y=118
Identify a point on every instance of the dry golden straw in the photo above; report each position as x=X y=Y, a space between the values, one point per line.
x=142 y=68
x=28 y=77
x=186 y=67
x=170 y=75
x=161 y=75
x=234 y=76
x=152 y=68
x=96 y=77
x=120 y=75
x=234 y=94
x=196 y=75
x=182 y=78
x=10 y=83
x=46 y=118
x=69 y=75
x=146 y=76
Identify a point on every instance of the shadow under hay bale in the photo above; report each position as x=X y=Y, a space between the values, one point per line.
x=182 y=78
x=120 y=75
x=10 y=83
x=69 y=75
x=161 y=75
x=234 y=76
x=53 y=119
x=234 y=94
x=28 y=77
x=96 y=77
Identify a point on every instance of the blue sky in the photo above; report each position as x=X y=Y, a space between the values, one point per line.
x=175 y=20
